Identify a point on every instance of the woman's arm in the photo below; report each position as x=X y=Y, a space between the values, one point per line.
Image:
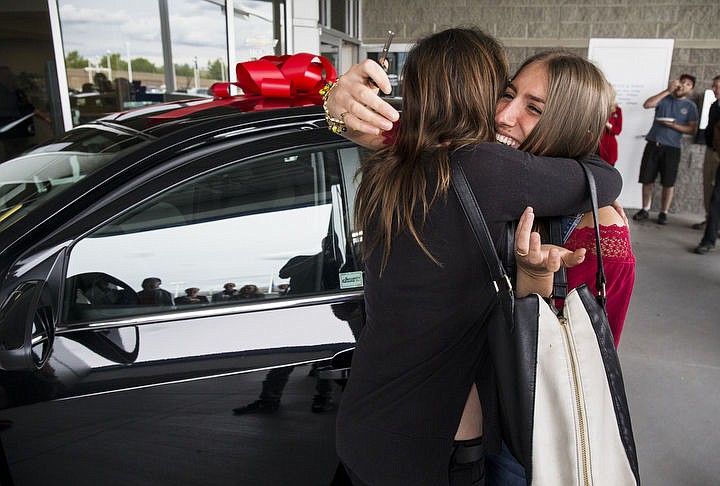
x=506 y=180
x=536 y=263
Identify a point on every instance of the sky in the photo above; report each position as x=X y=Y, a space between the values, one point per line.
x=94 y=27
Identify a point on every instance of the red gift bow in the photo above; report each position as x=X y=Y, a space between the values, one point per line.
x=269 y=82
x=285 y=76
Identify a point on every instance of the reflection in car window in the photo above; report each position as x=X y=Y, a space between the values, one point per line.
x=43 y=173
x=267 y=228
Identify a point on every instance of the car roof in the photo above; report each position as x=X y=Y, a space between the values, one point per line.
x=158 y=120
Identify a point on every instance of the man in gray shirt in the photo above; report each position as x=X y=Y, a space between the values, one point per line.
x=675 y=115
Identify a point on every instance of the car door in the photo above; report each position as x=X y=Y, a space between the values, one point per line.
x=142 y=379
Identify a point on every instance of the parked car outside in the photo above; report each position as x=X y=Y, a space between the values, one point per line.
x=108 y=373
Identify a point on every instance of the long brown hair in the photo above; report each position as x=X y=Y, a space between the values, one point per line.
x=577 y=107
x=451 y=84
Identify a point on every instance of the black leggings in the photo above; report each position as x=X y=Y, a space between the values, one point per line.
x=467 y=463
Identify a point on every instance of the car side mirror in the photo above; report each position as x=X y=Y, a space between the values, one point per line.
x=27 y=330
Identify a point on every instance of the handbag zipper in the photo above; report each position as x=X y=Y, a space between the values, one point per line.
x=578 y=402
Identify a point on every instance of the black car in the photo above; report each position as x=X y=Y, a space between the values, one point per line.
x=180 y=292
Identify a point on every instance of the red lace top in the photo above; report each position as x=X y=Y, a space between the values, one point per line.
x=619 y=265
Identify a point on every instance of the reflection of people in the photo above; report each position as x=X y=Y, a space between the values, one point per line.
x=100 y=289
x=228 y=293
x=307 y=273
x=17 y=113
x=613 y=127
x=314 y=273
x=152 y=294
x=191 y=297
x=675 y=115
x=411 y=412
x=250 y=291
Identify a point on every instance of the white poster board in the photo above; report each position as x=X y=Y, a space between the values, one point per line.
x=708 y=99
x=638 y=69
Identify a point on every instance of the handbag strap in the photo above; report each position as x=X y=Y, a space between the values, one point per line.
x=500 y=279
x=600 y=280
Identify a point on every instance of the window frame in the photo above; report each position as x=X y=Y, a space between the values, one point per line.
x=196 y=164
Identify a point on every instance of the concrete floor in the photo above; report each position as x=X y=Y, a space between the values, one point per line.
x=670 y=352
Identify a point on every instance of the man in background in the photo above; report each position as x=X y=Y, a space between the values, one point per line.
x=713 y=219
x=675 y=115
x=712 y=157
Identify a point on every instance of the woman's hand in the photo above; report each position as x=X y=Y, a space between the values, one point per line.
x=537 y=262
x=621 y=211
x=355 y=99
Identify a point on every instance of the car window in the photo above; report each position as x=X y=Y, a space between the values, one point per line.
x=267 y=228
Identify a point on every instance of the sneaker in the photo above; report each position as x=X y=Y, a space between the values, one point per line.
x=703 y=248
x=641 y=215
x=699 y=226
x=662 y=218
x=258 y=406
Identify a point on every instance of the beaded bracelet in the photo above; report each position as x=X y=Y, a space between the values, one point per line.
x=335 y=125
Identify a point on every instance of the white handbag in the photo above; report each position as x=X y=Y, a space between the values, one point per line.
x=563 y=408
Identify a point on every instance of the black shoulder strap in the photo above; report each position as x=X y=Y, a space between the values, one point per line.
x=472 y=211
x=600 y=281
x=555 y=229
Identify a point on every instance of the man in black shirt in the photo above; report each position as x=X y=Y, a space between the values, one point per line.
x=712 y=157
x=712 y=138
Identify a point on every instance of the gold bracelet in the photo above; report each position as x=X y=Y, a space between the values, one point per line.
x=335 y=125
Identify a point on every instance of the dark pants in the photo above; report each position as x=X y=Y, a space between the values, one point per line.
x=713 y=219
x=659 y=159
x=502 y=469
x=467 y=465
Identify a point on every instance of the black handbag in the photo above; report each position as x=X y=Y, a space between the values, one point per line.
x=563 y=408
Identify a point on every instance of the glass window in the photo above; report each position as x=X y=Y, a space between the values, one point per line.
x=98 y=39
x=198 y=39
x=396 y=62
x=268 y=228
x=340 y=15
x=29 y=111
x=259 y=29
x=45 y=172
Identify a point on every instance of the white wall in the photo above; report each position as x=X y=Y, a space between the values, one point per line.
x=304 y=33
x=638 y=69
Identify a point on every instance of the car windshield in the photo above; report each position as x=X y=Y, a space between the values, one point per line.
x=32 y=179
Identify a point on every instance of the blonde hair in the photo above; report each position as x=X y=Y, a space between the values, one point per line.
x=451 y=83
x=577 y=107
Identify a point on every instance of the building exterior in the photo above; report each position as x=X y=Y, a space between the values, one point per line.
x=69 y=58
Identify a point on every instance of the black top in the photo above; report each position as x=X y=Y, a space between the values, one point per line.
x=421 y=348
x=713 y=118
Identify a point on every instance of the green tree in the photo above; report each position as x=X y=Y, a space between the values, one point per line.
x=117 y=62
x=184 y=70
x=74 y=60
x=142 y=65
x=215 y=70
